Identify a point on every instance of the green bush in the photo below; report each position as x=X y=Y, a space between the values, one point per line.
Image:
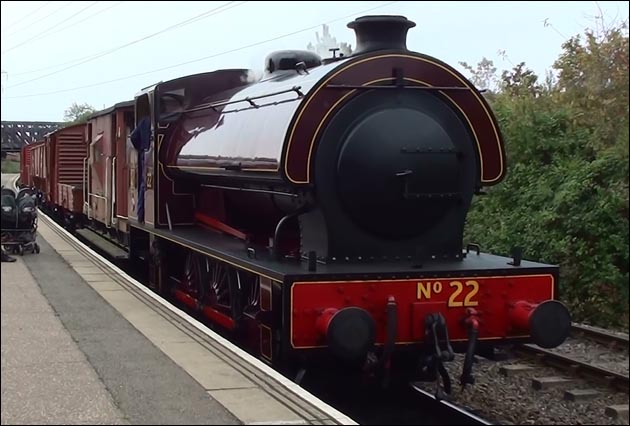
x=562 y=207
x=9 y=166
x=565 y=197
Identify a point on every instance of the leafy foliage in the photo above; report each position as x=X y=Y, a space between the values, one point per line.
x=78 y=113
x=484 y=75
x=565 y=197
x=10 y=166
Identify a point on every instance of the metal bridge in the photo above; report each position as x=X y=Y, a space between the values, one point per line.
x=16 y=134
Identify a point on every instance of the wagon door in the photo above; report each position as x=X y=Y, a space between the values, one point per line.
x=122 y=181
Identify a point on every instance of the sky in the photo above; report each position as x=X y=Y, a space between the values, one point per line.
x=54 y=53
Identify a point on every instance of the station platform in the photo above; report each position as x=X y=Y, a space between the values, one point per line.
x=83 y=343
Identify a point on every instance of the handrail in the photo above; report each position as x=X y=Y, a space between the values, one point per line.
x=108 y=225
x=91 y=194
x=113 y=213
x=85 y=188
x=89 y=179
x=249 y=99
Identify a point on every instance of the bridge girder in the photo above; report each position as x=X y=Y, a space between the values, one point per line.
x=16 y=134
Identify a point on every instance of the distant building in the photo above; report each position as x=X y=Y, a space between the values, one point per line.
x=326 y=42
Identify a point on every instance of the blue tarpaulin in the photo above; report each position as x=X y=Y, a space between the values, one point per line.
x=141 y=140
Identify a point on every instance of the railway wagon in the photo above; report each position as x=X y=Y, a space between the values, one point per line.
x=39 y=169
x=107 y=178
x=28 y=164
x=65 y=151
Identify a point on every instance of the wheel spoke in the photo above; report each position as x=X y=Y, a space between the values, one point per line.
x=191 y=281
x=218 y=285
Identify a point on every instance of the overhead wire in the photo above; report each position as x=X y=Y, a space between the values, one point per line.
x=26 y=16
x=199 y=59
x=45 y=32
x=98 y=12
x=204 y=15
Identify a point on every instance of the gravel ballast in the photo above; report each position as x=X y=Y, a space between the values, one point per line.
x=512 y=399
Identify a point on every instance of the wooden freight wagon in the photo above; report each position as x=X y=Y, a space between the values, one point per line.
x=66 y=152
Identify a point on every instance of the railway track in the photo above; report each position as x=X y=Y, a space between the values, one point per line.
x=618 y=381
x=612 y=340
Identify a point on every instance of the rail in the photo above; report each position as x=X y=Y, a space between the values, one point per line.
x=600 y=336
x=581 y=368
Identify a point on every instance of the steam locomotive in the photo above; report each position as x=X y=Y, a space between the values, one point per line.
x=316 y=212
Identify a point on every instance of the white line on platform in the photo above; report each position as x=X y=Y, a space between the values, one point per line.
x=289 y=385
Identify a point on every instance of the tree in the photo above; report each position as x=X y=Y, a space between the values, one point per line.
x=520 y=81
x=326 y=42
x=565 y=197
x=593 y=77
x=78 y=113
x=484 y=75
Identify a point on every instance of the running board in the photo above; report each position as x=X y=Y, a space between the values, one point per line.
x=111 y=249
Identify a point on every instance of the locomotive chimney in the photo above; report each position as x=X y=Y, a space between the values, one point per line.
x=381 y=32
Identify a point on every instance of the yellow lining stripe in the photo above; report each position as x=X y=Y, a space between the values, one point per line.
x=323 y=84
x=160 y=138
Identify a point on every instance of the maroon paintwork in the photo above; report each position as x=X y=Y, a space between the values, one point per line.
x=238 y=126
x=310 y=119
x=39 y=174
x=99 y=163
x=28 y=163
x=279 y=132
x=66 y=150
x=124 y=121
x=162 y=191
x=108 y=173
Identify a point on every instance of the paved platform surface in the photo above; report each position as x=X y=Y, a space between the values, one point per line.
x=79 y=347
x=95 y=367
x=45 y=376
x=8 y=179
